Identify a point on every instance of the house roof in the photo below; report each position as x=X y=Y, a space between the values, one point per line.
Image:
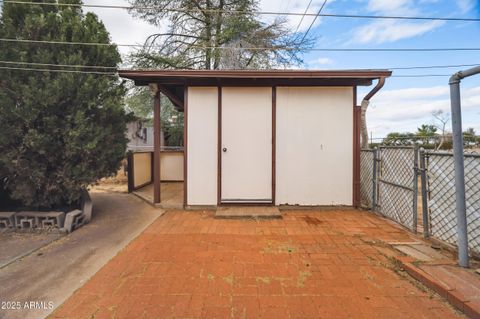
x=173 y=82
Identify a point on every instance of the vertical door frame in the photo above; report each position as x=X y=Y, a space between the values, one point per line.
x=357 y=113
x=219 y=147
x=219 y=151
x=185 y=147
x=156 y=147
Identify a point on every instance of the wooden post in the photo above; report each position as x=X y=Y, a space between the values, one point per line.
x=156 y=145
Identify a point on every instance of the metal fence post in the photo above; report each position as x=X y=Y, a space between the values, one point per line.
x=415 y=189
x=423 y=170
x=374 y=180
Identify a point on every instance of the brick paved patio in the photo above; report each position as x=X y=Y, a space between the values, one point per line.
x=329 y=264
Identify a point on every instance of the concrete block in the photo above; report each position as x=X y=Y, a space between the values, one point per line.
x=35 y=219
x=87 y=206
x=25 y=220
x=7 y=219
x=50 y=219
x=73 y=220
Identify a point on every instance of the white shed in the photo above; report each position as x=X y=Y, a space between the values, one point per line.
x=265 y=137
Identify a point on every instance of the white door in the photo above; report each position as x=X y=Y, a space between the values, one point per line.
x=246 y=148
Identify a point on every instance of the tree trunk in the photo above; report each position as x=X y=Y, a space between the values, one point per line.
x=208 y=35
x=218 y=31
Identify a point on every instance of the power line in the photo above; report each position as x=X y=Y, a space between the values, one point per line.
x=420 y=75
x=115 y=74
x=58 y=71
x=434 y=66
x=61 y=65
x=253 y=48
x=115 y=68
x=315 y=19
x=246 y=12
x=303 y=16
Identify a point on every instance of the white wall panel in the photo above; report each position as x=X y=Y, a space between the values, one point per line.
x=314 y=145
x=171 y=166
x=202 y=142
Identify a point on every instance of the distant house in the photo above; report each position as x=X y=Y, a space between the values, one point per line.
x=140 y=136
x=264 y=137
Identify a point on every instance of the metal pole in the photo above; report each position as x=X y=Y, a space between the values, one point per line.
x=459 y=164
x=415 y=189
x=374 y=180
x=423 y=170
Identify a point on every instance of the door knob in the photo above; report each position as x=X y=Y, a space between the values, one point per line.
x=224 y=149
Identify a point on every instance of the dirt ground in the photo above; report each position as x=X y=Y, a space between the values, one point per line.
x=115 y=184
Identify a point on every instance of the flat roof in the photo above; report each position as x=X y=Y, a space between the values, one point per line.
x=255 y=77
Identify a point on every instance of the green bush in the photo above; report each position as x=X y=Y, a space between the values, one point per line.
x=60 y=131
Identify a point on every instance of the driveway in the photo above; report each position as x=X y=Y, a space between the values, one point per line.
x=310 y=264
x=50 y=275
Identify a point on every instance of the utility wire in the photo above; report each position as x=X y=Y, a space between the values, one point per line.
x=244 y=12
x=115 y=74
x=115 y=68
x=61 y=65
x=253 y=48
x=303 y=16
x=57 y=71
x=315 y=19
x=434 y=66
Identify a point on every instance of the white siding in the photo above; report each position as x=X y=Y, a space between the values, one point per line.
x=171 y=166
x=314 y=146
x=142 y=168
x=202 y=134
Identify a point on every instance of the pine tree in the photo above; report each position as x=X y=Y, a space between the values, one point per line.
x=215 y=34
x=60 y=131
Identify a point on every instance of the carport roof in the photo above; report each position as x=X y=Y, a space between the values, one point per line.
x=172 y=83
x=255 y=77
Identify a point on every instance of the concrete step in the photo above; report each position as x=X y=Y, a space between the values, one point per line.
x=241 y=212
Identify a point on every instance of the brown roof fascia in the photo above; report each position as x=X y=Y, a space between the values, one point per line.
x=270 y=74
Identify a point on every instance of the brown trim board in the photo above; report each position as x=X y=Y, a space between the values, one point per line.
x=219 y=147
x=130 y=179
x=356 y=149
x=185 y=148
x=156 y=148
x=274 y=143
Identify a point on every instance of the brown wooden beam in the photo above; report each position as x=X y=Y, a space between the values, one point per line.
x=171 y=96
x=357 y=113
x=185 y=149
x=274 y=143
x=156 y=148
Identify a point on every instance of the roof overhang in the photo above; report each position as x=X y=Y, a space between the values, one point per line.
x=173 y=82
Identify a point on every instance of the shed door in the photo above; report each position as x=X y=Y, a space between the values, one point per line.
x=246 y=147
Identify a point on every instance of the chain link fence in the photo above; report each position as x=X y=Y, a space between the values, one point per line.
x=397 y=185
x=389 y=179
x=440 y=193
x=367 y=178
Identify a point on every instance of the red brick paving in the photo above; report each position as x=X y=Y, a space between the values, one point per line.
x=328 y=264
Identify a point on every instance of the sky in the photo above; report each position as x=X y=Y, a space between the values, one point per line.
x=404 y=103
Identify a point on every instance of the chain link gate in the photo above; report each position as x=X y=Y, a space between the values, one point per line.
x=398 y=184
x=439 y=190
